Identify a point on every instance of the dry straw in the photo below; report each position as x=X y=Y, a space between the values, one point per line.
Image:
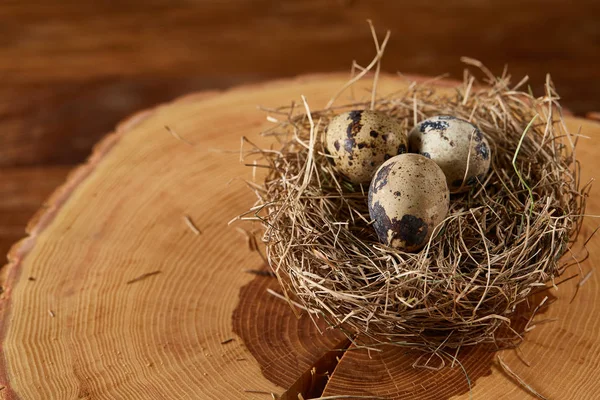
x=501 y=242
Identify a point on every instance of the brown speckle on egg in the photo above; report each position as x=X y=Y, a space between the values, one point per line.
x=367 y=138
x=408 y=198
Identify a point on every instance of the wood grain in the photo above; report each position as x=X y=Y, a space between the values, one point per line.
x=292 y=351
x=72 y=69
x=79 y=330
x=390 y=374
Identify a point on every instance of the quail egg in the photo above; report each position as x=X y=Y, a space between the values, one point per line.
x=360 y=141
x=454 y=144
x=408 y=197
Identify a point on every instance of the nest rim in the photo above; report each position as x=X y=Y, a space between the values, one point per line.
x=355 y=296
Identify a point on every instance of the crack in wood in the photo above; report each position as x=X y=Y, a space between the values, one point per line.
x=311 y=384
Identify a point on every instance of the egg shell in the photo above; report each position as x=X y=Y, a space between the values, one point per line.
x=408 y=198
x=360 y=141
x=453 y=143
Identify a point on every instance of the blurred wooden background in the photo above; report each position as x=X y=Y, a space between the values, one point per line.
x=71 y=69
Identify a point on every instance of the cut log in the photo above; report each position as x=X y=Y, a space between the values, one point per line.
x=141 y=289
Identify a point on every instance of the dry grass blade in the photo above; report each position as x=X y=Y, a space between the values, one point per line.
x=520 y=380
x=142 y=277
x=176 y=135
x=191 y=225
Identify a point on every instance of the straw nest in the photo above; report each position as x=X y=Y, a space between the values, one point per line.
x=501 y=242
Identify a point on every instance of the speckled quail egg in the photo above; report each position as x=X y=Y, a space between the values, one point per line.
x=453 y=144
x=360 y=141
x=408 y=197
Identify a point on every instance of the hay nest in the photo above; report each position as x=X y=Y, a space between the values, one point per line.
x=501 y=242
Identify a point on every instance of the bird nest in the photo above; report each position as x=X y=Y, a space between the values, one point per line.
x=501 y=242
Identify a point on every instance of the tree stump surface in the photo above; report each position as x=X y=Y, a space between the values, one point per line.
x=113 y=295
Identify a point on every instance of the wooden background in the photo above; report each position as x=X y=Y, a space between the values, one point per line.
x=71 y=69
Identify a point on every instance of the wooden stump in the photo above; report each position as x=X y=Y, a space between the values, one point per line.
x=113 y=294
